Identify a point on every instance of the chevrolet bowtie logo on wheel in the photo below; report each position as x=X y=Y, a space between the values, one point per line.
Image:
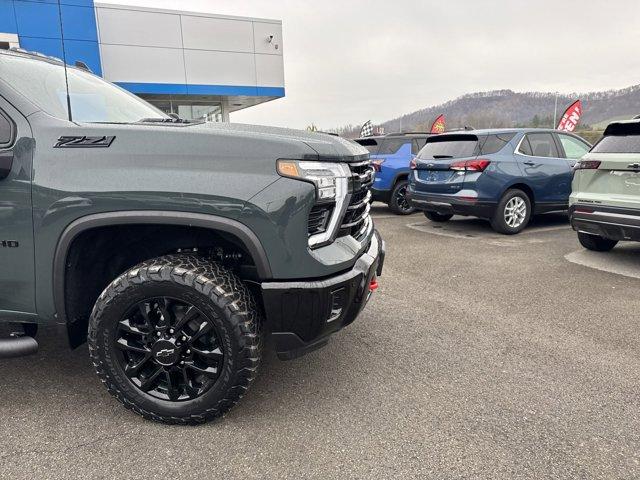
x=166 y=352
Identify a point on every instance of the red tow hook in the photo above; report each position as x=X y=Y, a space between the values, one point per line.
x=373 y=285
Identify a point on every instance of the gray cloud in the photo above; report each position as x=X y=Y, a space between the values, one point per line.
x=348 y=61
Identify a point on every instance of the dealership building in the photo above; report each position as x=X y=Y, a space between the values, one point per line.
x=197 y=65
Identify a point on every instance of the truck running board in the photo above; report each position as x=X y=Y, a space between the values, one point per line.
x=18 y=347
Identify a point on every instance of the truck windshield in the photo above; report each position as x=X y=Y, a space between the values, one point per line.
x=92 y=98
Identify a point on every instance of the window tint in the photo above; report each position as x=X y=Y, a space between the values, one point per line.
x=525 y=147
x=370 y=144
x=92 y=98
x=449 y=146
x=6 y=132
x=417 y=145
x=618 y=144
x=573 y=147
x=392 y=145
x=495 y=143
x=542 y=145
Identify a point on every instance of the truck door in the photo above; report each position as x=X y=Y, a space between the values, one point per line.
x=17 y=278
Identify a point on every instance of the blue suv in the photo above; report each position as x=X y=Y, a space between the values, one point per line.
x=504 y=175
x=390 y=156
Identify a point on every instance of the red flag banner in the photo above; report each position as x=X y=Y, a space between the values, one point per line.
x=571 y=117
x=438 y=125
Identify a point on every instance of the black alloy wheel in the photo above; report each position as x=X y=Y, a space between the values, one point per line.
x=399 y=204
x=169 y=349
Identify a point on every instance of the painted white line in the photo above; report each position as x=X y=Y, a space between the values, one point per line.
x=622 y=260
x=477 y=232
x=530 y=231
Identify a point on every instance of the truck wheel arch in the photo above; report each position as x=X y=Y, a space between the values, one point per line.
x=141 y=217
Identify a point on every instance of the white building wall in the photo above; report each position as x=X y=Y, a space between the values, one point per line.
x=141 y=45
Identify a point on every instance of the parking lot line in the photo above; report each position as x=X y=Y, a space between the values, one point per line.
x=474 y=232
x=623 y=260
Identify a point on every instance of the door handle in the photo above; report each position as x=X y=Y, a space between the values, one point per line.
x=530 y=163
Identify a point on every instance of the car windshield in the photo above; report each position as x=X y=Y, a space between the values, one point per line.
x=92 y=98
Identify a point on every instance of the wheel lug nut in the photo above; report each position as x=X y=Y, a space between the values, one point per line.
x=158 y=334
x=184 y=339
x=188 y=351
x=171 y=331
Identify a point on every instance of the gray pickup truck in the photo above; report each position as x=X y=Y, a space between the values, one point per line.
x=175 y=249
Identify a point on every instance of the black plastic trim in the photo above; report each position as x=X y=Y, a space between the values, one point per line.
x=150 y=217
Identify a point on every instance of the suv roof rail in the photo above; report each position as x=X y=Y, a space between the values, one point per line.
x=32 y=53
x=406 y=133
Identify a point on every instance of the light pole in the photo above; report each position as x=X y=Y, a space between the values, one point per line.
x=555 y=112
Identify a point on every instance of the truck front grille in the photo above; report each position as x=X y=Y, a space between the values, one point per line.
x=356 y=218
x=318 y=219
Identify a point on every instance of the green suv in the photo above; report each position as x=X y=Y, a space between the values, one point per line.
x=604 y=206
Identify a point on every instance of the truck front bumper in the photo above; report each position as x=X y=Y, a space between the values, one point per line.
x=613 y=223
x=302 y=315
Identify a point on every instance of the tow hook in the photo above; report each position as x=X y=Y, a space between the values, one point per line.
x=373 y=284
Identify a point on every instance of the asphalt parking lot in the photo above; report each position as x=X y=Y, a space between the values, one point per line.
x=481 y=356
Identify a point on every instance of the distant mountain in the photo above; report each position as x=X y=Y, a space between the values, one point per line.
x=506 y=108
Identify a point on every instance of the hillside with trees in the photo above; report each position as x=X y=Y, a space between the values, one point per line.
x=506 y=108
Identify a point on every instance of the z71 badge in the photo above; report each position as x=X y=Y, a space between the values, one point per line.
x=9 y=244
x=84 y=142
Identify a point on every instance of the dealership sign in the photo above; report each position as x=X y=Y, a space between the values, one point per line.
x=571 y=117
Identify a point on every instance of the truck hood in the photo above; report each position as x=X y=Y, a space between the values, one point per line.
x=325 y=147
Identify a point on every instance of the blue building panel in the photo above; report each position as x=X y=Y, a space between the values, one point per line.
x=46 y=46
x=37 y=19
x=86 y=52
x=79 y=23
x=7 y=17
x=183 y=89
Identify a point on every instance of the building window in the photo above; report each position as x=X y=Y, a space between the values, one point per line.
x=185 y=106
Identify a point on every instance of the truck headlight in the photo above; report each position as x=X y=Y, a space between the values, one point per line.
x=332 y=184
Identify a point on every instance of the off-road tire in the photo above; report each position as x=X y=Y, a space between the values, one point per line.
x=498 y=222
x=596 y=242
x=438 y=217
x=395 y=205
x=219 y=294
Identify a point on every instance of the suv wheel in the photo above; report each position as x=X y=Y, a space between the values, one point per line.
x=438 y=217
x=595 y=242
x=513 y=212
x=176 y=339
x=399 y=203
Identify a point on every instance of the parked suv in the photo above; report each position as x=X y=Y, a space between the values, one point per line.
x=175 y=248
x=605 y=200
x=503 y=175
x=390 y=156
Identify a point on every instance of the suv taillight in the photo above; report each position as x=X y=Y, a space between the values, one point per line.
x=477 y=165
x=377 y=164
x=587 y=165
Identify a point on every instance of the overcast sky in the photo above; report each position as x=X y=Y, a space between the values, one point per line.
x=347 y=61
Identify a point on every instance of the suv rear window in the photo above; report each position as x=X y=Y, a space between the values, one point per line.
x=370 y=144
x=495 y=143
x=618 y=144
x=390 y=146
x=449 y=146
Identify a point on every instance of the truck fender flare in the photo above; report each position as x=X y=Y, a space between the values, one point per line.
x=150 y=217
